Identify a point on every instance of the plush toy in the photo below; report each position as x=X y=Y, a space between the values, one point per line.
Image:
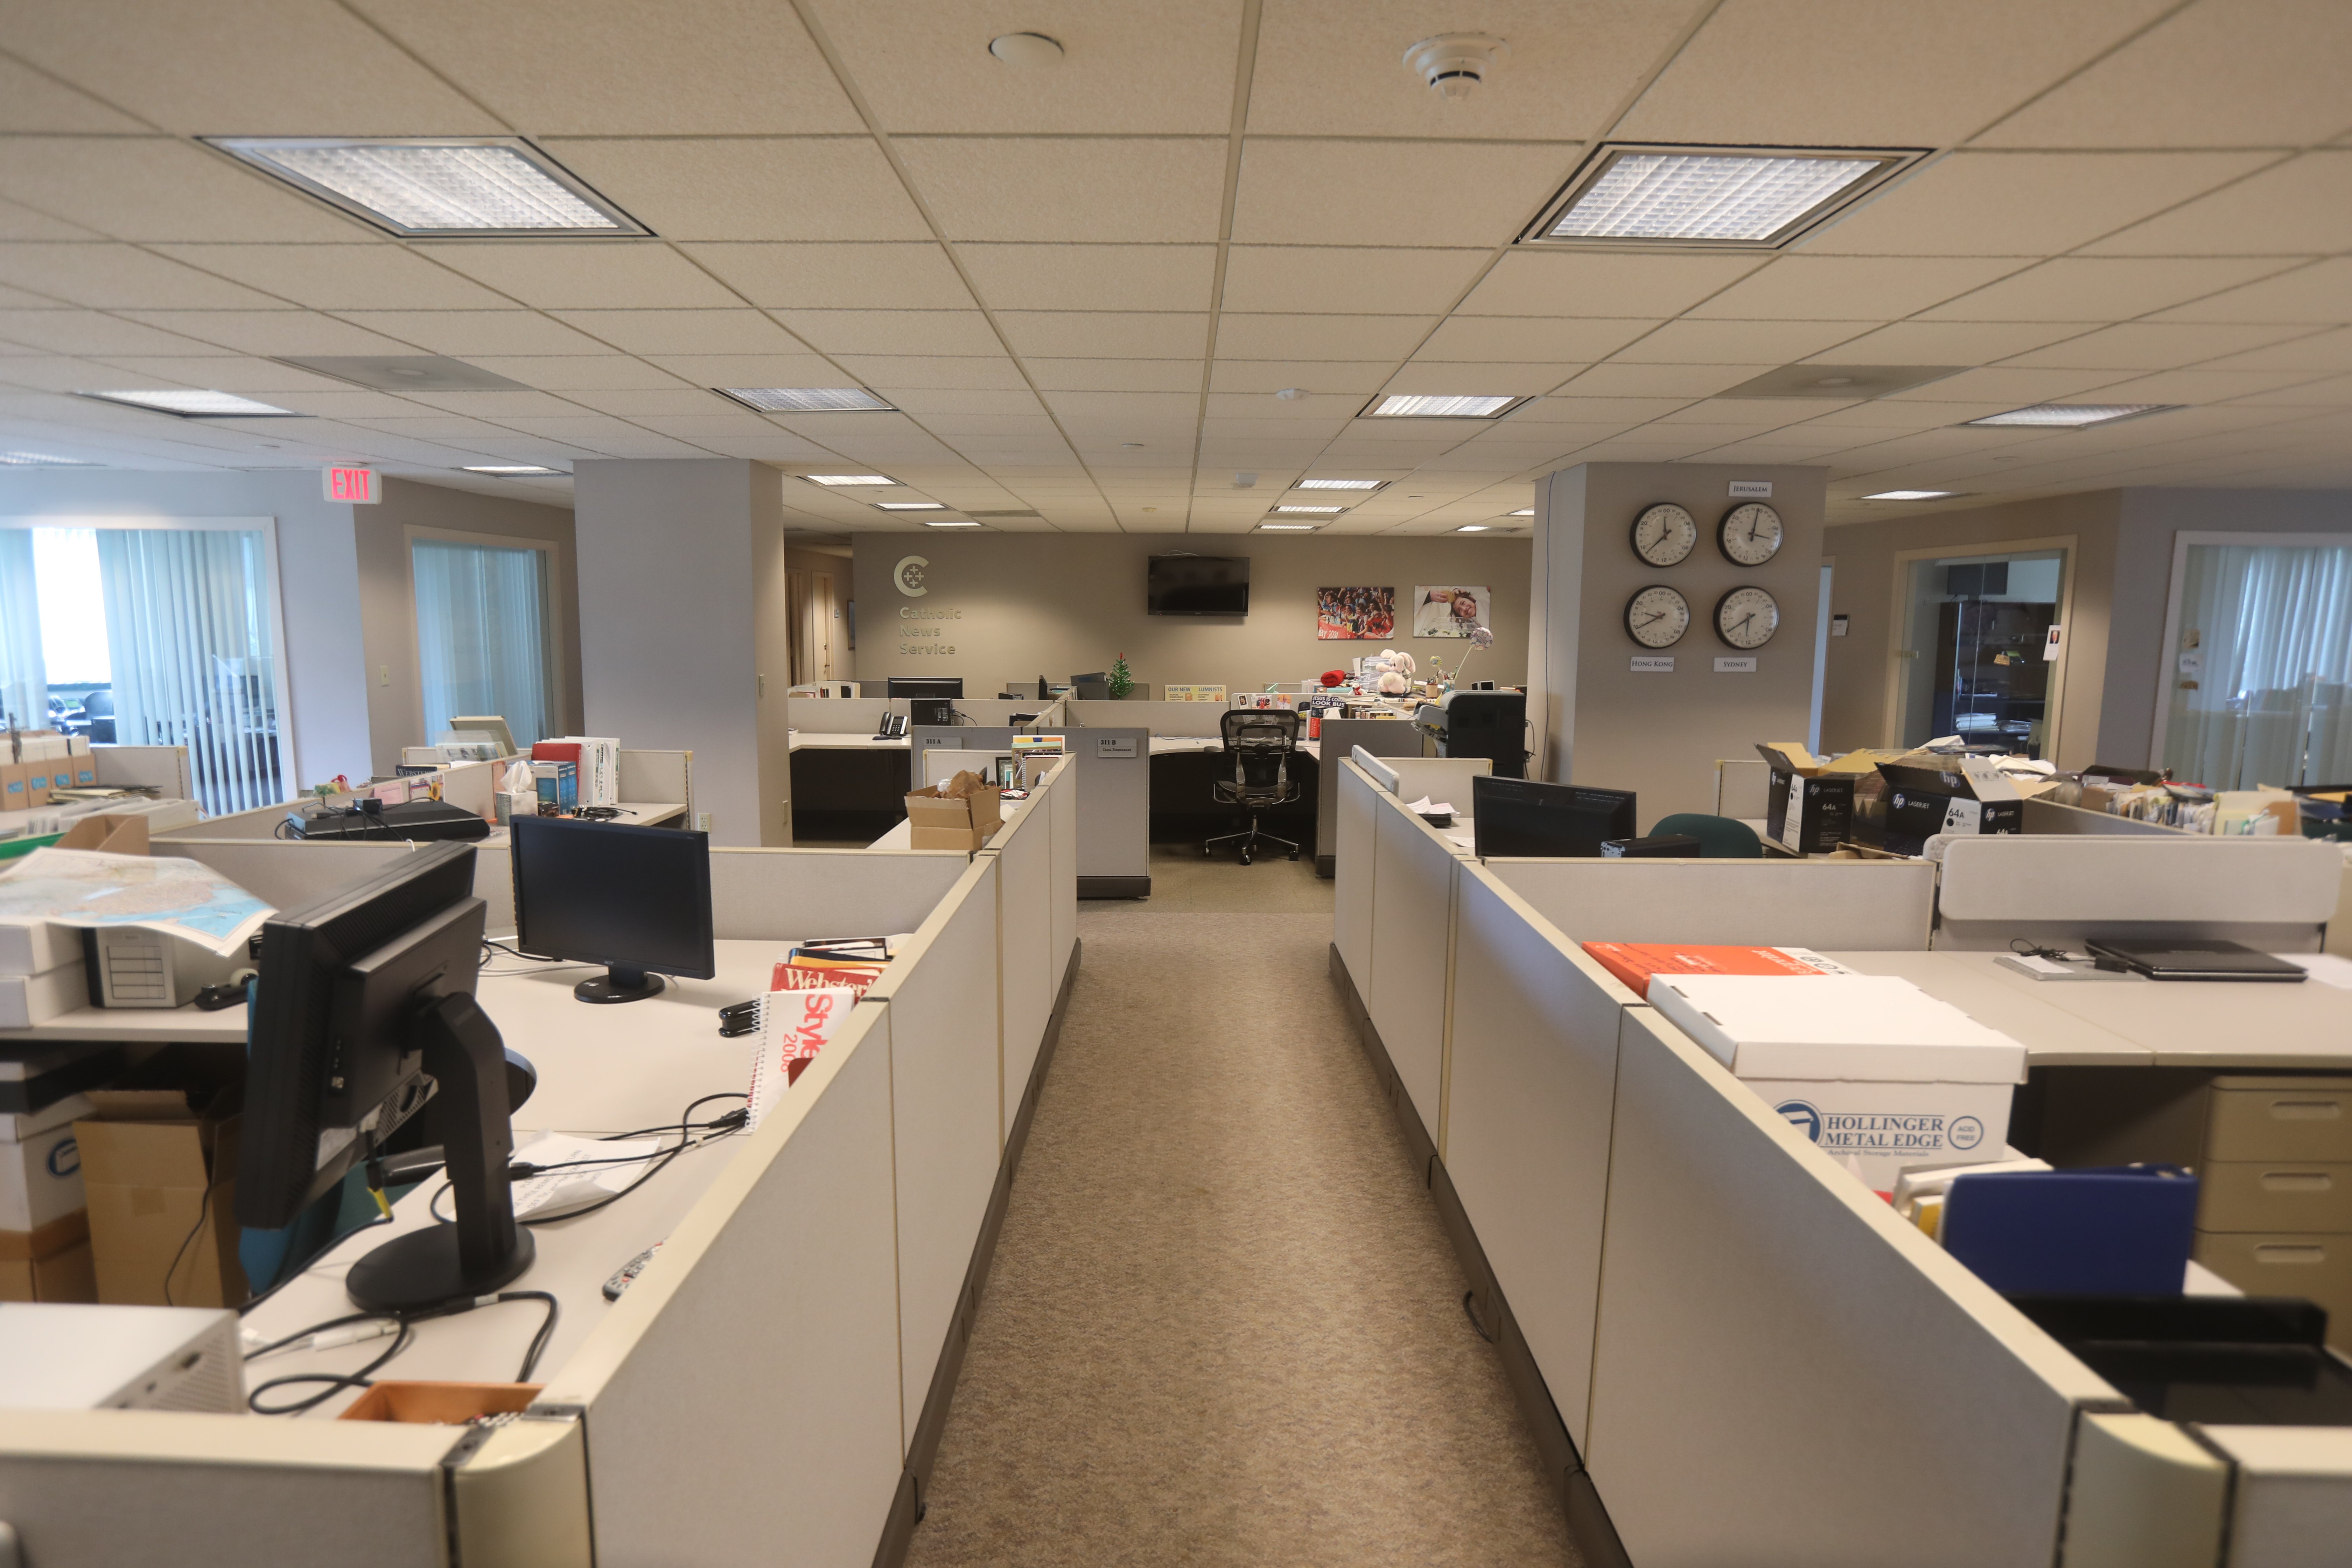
x=1331 y=677
x=1390 y=671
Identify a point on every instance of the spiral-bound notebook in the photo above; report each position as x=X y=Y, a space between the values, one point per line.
x=809 y=991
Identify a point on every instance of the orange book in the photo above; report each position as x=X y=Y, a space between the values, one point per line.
x=1635 y=962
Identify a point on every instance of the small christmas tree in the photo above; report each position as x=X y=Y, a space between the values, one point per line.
x=1123 y=679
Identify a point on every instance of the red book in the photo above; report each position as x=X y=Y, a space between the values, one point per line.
x=1635 y=962
x=555 y=751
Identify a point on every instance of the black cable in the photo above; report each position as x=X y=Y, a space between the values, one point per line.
x=2025 y=947
x=336 y=1382
x=202 y=1209
x=546 y=1329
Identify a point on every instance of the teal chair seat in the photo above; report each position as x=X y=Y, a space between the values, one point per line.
x=1719 y=838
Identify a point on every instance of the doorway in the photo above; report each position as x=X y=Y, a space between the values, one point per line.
x=1973 y=655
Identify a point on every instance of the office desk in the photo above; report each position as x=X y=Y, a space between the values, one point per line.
x=850 y=788
x=1185 y=810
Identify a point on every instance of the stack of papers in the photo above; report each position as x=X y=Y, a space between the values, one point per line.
x=1874 y=1029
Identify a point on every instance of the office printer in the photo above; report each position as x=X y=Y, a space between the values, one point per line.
x=1480 y=724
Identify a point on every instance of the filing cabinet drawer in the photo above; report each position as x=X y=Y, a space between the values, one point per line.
x=2275 y=1194
x=2281 y=1120
x=2284 y=1263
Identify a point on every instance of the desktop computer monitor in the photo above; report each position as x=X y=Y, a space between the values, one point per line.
x=363 y=1012
x=1517 y=817
x=951 y=687
x=1094 y=688
x=932 y=711
x=635 y=899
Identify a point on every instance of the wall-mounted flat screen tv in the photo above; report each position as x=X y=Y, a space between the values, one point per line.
x=1199 y=586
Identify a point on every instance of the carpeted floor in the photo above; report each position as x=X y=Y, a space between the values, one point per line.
x=1224 y=1325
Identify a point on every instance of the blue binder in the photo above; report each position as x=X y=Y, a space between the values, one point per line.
x=2121 y=1230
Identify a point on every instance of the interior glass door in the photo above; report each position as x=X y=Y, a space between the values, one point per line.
x=1974 y=657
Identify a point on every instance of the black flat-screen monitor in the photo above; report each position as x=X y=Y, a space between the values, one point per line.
x=1198 y=585
x=1520 y=816
x=635 y=899
x=925 y=686
x=932 y=711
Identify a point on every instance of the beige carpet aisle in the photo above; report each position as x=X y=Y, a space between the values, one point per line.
x=1223 y=1324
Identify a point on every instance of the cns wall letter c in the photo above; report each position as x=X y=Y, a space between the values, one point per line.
x=909 y=576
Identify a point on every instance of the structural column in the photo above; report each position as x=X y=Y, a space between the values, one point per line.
x=683 y=643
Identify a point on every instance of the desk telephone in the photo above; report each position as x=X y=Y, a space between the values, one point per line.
x=894 y=727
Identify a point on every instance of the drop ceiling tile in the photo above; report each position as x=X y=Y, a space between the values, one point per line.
x=225 y=372
x=951 y=427
x=1091 y=277
x=924 y=66
x=1261 y=406
x=1392 y=192
x=271 y=333
x=59 y=372
x=2074 y=288
x=920 y=403
x=2317 y=351
x=1359 y=378
x=2302 y=207
x=893 y=331
x=1081 y=189
x=446 y=427
x=471 y=334
x=903 y=277
x=1623 y=379
x=114 y=276
x=1596 y=283
x=2318 y=294
x=1115 y=374
x=503 y=408
x=348 y=402
x=1546 y=340
x=1173 y=411
x=587 y=275
x=1692 y=341
x=2152 y=346
x=645 y=402
x=1855 y=73
x=2330 y=392
x=1333 y=67
x=1852 y=288
x=888 y=375
x=1392 y=337
x=600 y=372
x=1951 y=343
x=1441 y=377
x=2022 y=204
x=1255 y=427
x=383 y=276
x=2225 y=73
x=1999 y=383
x=1106 y=334
x=683 y=331
x=689 y=68
x=1366 y=281
x=2201 y=385
x=30 y=102
x=145 y=188
x=1572 y=407
x=23 y=223
x=797 y=188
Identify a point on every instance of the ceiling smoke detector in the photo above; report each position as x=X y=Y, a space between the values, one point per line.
x=1027 y=51
x=1454 y=64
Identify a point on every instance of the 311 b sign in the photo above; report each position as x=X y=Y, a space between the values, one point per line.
x=357 y=487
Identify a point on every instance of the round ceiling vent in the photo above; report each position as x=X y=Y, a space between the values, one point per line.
x=1026 y=49
x=1454 y=64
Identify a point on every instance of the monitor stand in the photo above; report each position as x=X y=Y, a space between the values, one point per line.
x=619 y=984
x=486 y=1249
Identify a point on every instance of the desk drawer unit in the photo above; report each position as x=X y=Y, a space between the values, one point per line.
x=2315 y=1267
x=2275 y=1194
x=2280 y=1118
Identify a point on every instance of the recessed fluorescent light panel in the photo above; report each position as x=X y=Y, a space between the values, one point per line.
x=1418 y=406
x=192 y=405
x=948 y=522
x=1320 y=511
x=1474 y=528
x=41 y=460
x=1288 y=527
x=841 y=481
x=805 y=399
x=1338 y=484
x=1722 y=197
x=910 y=506
x=2071 y=415
x=1524 y=511
x=1912 y=495
x=512 y=471
x=437 y=185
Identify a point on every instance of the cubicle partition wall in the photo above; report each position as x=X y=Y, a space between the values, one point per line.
x=775 y=1381
x=1341 y=738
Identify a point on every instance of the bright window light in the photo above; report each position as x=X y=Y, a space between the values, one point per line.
x=510 y=470
x=1724 y=197
x=840 y=481
x=437 y=185
x=1286 y=527
x=40 y=460
x=1338 y=484
x=1911 y=495
x=911 y=505
x=1415 y=406
x=1322 y=510
x=805 y=399
x=948 y=522
x=194 y=405
x=2071 y=415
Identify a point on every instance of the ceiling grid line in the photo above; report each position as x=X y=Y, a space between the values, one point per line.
x=1244 y=74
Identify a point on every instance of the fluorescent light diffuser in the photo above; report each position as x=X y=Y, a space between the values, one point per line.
x=805 y=399
x=1689 y=195
x=948 y=522
x=1911 y=495
x=1418 y=405
x=193 y=404
x=1524 y=511
x=511 y=470
x=1475 y=528
x=2071 y=415
x=837 y=482
x=437 y=185
x=41 y=460
x=1338 y=484
x=910 y=506
x=1287 y=527
x=1321 y=510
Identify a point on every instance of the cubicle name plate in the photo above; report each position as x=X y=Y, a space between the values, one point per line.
x=1654 y=664
x=1114 y=746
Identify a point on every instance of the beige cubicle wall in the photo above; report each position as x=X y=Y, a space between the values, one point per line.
x=771 y=1382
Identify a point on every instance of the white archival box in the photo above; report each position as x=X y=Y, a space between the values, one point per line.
x=1865 y=1066
x=66 y=1356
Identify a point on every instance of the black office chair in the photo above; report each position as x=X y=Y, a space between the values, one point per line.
x=1259 y=740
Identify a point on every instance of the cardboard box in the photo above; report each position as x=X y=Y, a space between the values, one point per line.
x=159 y=1169
x=940 y=819
x=12 y=786
x=53 y=1263
x=109 y=833
x=1806 y=812
x=1958 y=794
x=40 y=1179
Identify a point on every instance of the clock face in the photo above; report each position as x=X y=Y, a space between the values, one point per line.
x=1747 y=618
x=1665 y=535
x=1751 y=534
x=1657 y=617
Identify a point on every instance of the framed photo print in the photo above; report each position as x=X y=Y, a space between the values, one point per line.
x=1440 y=611
x=1355 y=615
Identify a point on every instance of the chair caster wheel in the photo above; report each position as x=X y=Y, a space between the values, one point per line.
x=1293 y=854
x=1246 y=859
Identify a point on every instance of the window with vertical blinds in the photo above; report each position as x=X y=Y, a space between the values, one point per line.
x=482 y=643
x=23 y=677
x=2262 y=682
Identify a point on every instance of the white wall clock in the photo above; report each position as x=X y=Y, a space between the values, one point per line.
x=1749 y=535
x=1657 y=617
x=1665 y=535
x=1747 y=618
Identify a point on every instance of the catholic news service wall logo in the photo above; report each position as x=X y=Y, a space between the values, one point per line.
x=1806 y=1119
x=909 y=576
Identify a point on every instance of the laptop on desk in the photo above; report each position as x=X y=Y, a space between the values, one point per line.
x=2183 y=958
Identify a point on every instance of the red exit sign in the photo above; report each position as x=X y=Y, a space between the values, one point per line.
x=358 y=486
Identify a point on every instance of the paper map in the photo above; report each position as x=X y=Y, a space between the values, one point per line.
x=84 y=887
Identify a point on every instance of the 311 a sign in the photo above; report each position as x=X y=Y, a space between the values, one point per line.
x=356 y=487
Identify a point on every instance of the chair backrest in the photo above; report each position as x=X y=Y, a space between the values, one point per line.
x=1260 y=741
x=99 y=705
x=1719 y=838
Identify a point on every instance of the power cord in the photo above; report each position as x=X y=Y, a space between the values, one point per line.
x=402 y=1330
x=686 y=1127
x=2025 y=947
